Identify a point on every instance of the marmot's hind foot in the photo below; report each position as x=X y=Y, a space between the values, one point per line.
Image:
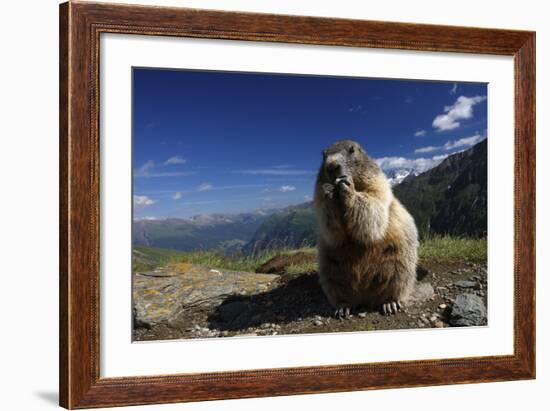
x=392 y=307
x=342 y=313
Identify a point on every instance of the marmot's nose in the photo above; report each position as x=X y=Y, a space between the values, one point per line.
x=334 y=168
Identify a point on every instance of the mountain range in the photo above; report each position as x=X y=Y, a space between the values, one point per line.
x=226 y=232
x=450 y=198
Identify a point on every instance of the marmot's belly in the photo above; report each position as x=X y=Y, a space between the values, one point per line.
x=372 y=280
x=370 y=289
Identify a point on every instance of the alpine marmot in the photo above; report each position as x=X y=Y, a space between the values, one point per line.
x=367 y=240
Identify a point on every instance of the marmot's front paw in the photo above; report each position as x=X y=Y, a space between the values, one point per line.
x=343 y=180
x=345 y=187
x=328 y=190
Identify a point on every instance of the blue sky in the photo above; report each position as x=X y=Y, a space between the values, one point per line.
x=220 y=142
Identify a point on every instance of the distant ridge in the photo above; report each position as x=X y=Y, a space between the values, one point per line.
x=450 y=198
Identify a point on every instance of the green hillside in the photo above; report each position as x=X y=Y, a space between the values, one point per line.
x=148 y=258
x=450 y=198
x=293 y=227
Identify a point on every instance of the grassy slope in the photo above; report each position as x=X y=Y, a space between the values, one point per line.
x=450 y=248
x=238 y=263
x=148 y=258
x=435 y=248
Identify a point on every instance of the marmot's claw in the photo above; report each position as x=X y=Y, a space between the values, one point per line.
x=392 y=308
x=342 y=312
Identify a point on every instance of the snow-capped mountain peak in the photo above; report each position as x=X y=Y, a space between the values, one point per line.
x=397 y=176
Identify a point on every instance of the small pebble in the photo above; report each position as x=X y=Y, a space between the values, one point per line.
x=442 y=306
x=362 y=315
x=317 y=323
x=465 y=284
x=439 y=324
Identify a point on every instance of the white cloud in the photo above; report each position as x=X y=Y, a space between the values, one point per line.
x=169 y=174
x=427 y=149
x=450 y=145
x=147 y=170
x=463 y=142
x=177 y=196
x=286 y=189
x=308 y=197
x=420 y=133
x=462 y=109
x=175 y=160
x=205 y=187
x=453 y=90
x=141 y=202
x=275 y=172
x=418 y=164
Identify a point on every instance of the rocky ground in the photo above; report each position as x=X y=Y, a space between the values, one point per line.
x=192 y=301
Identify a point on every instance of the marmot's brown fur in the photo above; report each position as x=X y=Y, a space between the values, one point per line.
x=367 y=240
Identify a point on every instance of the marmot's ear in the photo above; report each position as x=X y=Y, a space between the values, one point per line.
x=324 y=153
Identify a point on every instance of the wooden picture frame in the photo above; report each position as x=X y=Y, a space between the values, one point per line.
x=80 y=27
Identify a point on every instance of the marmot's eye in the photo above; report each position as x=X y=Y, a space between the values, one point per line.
x=351 y=150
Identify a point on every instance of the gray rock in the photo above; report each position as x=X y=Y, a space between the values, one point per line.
x=422 y=292
x=468 y=310
x=160 y=296
x=228 y=312
x=465 y=284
